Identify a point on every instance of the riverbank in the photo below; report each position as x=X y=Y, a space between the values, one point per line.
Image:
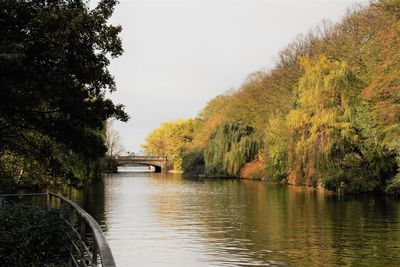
x=326 y=114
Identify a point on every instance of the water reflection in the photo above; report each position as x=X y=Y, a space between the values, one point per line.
x=157 y=220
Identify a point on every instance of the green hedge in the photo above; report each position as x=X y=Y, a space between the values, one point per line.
x=30 y=236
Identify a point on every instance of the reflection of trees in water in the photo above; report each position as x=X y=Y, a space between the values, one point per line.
x=366 y=230
x=91 y=199
x=254 y=222
x=283 y=223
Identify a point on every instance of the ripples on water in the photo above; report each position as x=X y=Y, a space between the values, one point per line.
x=163 y=220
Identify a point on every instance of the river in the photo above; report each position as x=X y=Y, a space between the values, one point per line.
x=153 y=219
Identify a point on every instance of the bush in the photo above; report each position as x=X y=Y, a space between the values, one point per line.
x=193 y=163
x=253 y=170
x=108 y=164
x=30 y=236
x=393 y=186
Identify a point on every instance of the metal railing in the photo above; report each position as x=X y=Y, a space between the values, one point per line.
x=88 y=245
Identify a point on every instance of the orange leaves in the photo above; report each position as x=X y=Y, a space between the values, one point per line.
x=253 y=170
x=384 y=88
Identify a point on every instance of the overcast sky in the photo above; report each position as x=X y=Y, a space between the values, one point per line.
x=180 y=54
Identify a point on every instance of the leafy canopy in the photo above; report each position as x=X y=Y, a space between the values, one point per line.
x=170 y=140
x=230 y=147
x=54 y=78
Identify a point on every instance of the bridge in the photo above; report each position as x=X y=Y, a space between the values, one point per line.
x=159 y=163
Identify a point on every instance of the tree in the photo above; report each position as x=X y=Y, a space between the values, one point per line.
x=330 y=139
x=327 y=114
x=113 y=140
x=170 y=140
x=231 y=146
x=276 y=148
x=54 y=78
x=212 y=115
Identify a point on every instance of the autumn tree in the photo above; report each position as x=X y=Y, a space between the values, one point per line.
x=170 y=140
x=327 y=145
x=327 y=114
x=230 y=147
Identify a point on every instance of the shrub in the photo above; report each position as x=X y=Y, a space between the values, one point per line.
x=193 y=162
x=393 y=186
x=30 y=236
x=253 y=170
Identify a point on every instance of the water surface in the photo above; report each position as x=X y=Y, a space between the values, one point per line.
x=152 y=219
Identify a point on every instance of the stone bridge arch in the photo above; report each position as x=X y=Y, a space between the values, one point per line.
x=159 y=163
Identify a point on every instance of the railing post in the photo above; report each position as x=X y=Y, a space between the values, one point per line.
x=82 y=241
x=48 y=198
x=61 y=209
x=82 y=228
x=94 y=253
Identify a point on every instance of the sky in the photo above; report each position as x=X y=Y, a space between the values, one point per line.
x=180 y=54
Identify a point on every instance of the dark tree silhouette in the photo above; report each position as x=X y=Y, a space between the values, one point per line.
x=54 y=56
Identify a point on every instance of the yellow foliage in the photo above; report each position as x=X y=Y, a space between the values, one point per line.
x=323 y=114
x=170 y=140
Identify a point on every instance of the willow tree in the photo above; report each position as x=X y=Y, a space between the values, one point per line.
x=276 y=148
x=320 y=125
x=328 y=142
x=231 y=145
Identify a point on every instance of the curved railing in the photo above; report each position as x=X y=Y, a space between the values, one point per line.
x=88 y=245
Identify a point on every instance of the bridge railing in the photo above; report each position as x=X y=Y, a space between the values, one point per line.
x=88 y=246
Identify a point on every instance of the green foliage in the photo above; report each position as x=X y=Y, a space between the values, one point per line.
x=319 y=126
x=54 y=78
x=193 y=162
x=276 y=149
x=230 y=147
x=393 y=186
x=331 y=141
x=31 y=237
x=108 y=164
